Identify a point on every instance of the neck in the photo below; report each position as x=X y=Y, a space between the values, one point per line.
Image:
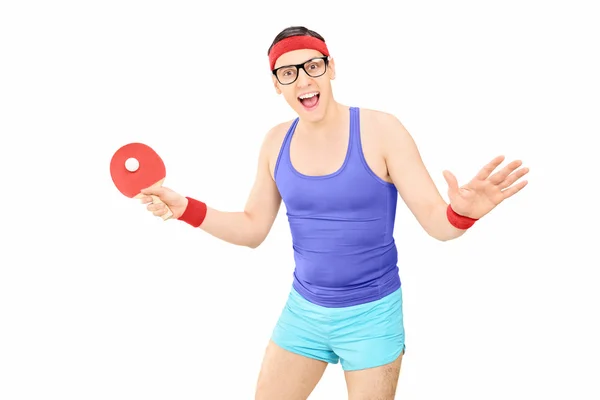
x=334 y=114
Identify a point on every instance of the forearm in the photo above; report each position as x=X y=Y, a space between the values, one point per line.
x=233 y=227
x=438 y=226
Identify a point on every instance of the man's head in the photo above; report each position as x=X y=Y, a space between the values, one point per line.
x=302 y=71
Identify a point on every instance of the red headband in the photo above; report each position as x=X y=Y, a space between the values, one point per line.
x=296 y=43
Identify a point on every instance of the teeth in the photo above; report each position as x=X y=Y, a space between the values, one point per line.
x=308 y=95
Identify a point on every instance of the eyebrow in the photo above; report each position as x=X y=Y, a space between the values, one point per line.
x=303 y=62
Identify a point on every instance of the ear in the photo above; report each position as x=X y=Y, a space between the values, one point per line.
x=276 y=84
x=331 y=68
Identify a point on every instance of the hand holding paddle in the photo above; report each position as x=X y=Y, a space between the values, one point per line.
x=135 y=167
x=168 y=200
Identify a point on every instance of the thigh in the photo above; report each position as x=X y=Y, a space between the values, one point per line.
x=370 y=335
x=287 y=375
x=378 y=383
x=302 y=329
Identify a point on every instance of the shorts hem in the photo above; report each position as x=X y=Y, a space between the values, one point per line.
x=294 y=350
x=380 y=363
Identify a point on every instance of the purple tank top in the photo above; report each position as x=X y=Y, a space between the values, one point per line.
x=342 y=227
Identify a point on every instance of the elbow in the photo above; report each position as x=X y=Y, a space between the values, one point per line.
x=253 y=245
x=255 y=241
x=257 y=232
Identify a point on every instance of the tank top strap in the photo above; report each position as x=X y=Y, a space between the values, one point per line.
x=356 y=145
x=284 y=152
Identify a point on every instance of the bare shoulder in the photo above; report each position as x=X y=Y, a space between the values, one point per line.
x=276 y=134
x=383 y=126
x=273 y=141
x=380 y=121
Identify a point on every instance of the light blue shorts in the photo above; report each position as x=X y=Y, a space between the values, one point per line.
x=363 y=336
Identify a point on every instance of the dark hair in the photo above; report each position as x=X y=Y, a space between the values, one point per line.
x=294 y=31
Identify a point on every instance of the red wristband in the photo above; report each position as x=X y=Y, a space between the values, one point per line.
x=459 y=221
x=194 y=213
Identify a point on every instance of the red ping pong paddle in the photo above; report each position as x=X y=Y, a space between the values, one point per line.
x=137 y=166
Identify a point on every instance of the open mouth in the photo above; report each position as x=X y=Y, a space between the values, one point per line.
x=309 y=100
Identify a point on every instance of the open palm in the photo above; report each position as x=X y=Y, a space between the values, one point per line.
x=486 y=190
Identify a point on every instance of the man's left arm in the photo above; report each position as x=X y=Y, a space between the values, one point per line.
x=441 y=220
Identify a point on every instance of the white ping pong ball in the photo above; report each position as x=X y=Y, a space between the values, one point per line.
x=132 y=165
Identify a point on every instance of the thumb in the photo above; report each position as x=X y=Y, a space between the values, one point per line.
x=452 y=183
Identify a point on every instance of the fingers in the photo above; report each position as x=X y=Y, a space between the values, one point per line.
x=146 y=199
x=512 y=178
x=158 y=209
x=148 y=193
x=155 y=197
x=489 y=168
x=514 y=189
x=501 y=175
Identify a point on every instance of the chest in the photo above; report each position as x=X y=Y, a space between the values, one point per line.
x=319 y=155
x=325 y=155
x=345 y=195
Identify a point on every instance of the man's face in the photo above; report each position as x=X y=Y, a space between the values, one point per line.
x=310 y=93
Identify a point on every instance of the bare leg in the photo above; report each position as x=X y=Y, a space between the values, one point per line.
x=377 y=383
x=287 y=376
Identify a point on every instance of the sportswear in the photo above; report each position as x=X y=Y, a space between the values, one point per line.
x=342 y=227
x=363 y=336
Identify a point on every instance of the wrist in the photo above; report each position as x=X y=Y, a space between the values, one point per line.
x=459 y=221
x=194 y=213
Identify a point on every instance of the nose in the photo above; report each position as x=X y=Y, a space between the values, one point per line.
x=303 y=78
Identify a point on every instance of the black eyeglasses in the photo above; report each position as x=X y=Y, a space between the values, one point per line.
x=314 y=68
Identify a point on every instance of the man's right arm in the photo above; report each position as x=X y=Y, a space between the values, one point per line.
x=251 y=226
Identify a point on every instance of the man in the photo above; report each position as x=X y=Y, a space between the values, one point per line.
x=339 y=170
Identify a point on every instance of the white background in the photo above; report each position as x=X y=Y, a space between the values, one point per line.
x=100 y=300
